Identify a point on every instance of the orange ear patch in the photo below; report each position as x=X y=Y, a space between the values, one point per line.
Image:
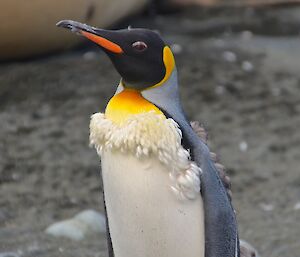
x=105 y=43
x=169 y=63
x=126 y=103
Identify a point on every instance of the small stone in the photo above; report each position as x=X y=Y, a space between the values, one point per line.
x=176 y=48
x=243 y=146
x=220 y=90
x=95 y=221
x=246 y=35
x=247 y=66
x=219 y=43
x=9 y=254
x=77 y=228
x=73 y=200
x=297 y=206
x=267 y=207
x=71 y=229
x=15 y=176
x=229 y=56
x=276 y=91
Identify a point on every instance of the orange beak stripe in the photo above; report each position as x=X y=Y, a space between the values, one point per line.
x=110 y=46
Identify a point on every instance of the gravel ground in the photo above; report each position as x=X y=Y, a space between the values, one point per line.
x=243 y=86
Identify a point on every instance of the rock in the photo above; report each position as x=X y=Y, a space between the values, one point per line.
x=297 y=206
x=266 y=207
x=229 y=56
x=176 y=48
x=9 y=254
x=71 y=229
x=81 y=225
x=93 y=220
x=243 y=146
x=247 y=66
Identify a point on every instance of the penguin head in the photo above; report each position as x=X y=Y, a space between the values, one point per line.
x=139 y=55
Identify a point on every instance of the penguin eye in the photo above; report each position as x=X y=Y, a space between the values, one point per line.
x=139 y=45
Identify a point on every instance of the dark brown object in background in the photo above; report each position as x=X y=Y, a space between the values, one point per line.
x=220 y=3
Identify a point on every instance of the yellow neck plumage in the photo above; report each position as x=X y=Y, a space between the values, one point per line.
x=127 y=103
x=130 y=101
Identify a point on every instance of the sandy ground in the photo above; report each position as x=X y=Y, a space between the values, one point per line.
x=244 y=87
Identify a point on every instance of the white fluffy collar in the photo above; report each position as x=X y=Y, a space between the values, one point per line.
x=150 y=134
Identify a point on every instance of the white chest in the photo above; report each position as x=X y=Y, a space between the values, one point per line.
x=145 y=218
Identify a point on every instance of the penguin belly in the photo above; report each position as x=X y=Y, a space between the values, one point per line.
x=145 y=217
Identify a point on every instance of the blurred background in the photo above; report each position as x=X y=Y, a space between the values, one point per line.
x=239 y=71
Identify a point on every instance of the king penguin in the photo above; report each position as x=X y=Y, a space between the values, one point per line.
x=162 y=193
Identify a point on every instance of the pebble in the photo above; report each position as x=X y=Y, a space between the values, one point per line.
x=267 y=207
x=229 y=56
x=243 y=146
x=297 y=206
x=95 y=221
x=220 y=90
x=220 y=43
x=9 y=254
x=176 y=48
x=81 y=225
x=276 y=91
x=246 y=35
x=247 y=66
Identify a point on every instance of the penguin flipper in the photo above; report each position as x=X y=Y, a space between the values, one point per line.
x=108 y=238
x=202 y=133
x=221 y=234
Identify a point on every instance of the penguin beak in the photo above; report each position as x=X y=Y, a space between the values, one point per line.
x=102 y=37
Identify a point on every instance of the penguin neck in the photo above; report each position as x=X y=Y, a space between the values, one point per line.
x=166 y=97
x=126 y=103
